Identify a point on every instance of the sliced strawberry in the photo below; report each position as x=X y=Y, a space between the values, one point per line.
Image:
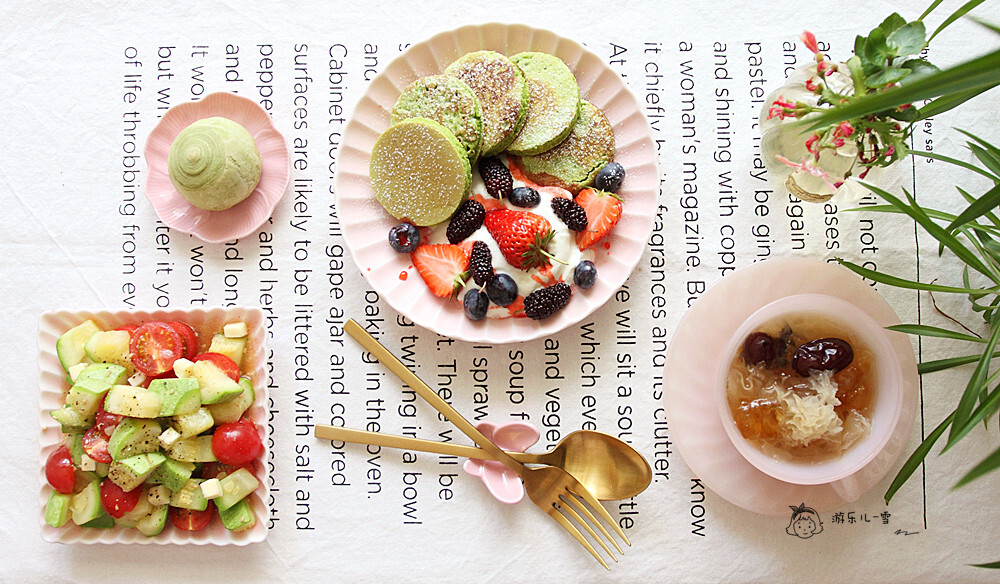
x=444 y=267
x=603 y=212
x=523 y=237
x=488 y=203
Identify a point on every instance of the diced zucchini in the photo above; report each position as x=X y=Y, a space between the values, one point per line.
x=236 y=486
x=154 y=522
x=190 y=497
x=158 y=495
x=102 y=521
x=57 y=510
x=86 y=394
x=231 y=411
x=180 y=395
x=74 y=442
x=239 y=517
x=109 y=347
x=216 y=386
x=69 y=346
x=134 y=402
x=173 y=474
x=134 y=436
x=86 y=505
x=192 y=424
x=107 y=372
x=131 y=518
x=71 y=420
x=129 y=473
x=230 y=347
x=196 y=449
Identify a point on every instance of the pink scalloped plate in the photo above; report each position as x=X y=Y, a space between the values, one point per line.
x=366 y=225
x=245 y=217
x=693 y=358
x=52 y=385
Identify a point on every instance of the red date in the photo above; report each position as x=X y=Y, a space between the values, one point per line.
x=829 y=354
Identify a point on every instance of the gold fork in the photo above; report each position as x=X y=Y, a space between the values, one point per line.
x=552 y=489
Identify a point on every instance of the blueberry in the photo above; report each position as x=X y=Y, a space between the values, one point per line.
x=404 y=237
x=502 y=289
x=610 y=177
x=475 y=303
x=525 y=197
x=585 y=274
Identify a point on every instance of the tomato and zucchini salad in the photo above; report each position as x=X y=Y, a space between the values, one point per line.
x=155 y=430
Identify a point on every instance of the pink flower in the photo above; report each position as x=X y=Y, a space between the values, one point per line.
x=811 y=145
x=810 y=167
x=809 y=40
x=781 y=108
x=812 y=85
x=844 y=129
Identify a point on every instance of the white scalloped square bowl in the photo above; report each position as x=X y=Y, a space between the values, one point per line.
x=52 y=388
x=366 y=224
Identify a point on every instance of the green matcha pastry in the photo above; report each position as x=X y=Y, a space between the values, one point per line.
x=448 y=101
x=574 y=163
x=552 y=109
x=502 y=92
x=419 y=171
x=214 y=163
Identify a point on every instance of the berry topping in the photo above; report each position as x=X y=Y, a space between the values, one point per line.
x=522 y=236
x=545 y=302
x=443 y=267
x=475 y=302
x=610 y=177
x=497 y=177
x=525 y=197
x=404 y=237
x=481 y=263
x=571 y=213
x=466 y=220
x=502 y=289
x=603 y=212
x=585 y=274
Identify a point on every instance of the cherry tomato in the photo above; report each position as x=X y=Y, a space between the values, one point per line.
x=95 y=443
x=116 y=501
x=106 y=418
x=155 y=346
x=128 y=327
x=228 y=366
x=190 y=338
x=236 y=443
x=59 y=470
x=191 y=520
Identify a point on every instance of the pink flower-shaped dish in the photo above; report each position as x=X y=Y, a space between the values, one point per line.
x=503 y=483
x=242 y=219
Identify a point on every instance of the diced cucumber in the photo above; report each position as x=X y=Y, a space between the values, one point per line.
x=134 y=436
x=101 y=469
x=133 y=401
x=216 y=386
x=172 y=474
x=86 y=505
x=86 y=394
x=129 y=473
x=196 y=449
x=74 y=441
x=190 y=496
x=192 y=424
x=71 y=420
x=231 y=411
x=131 y=518
x=109 y=347
x=236 y=486
x=57 y=510
x=107 y=372
x=230 y=347
x=102 y=521
x=154 y=521
x=239 y=517
x=69 y=346
x=180 y=396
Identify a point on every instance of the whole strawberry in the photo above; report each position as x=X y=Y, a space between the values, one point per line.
x=523 y=237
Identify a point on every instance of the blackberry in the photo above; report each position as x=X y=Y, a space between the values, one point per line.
x=545 y=302
x=571 y=213
x=585 y=274
x=502 y=289
x=525 y=197
x=481 y=263
x=610 y=177
x=497 y=177
x=466 y=220
x=475 y=304
x=404 y=237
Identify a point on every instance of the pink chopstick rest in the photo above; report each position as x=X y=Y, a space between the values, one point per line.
x=504 y=484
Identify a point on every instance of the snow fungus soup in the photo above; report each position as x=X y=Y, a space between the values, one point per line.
x=802 y=388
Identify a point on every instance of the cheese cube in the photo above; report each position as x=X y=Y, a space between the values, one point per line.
x=137 y=379
x=235 y=330
x=182 y=367
x=169 y=437
x=75 y=370
x=87 y=463
x=211 y=489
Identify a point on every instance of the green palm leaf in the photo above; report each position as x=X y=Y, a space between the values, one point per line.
x=988 y=464
x=917 y=458
x=964 y=410
x=933 y=331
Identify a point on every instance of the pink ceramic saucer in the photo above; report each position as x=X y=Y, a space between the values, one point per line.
x=366 y=224
x=689 y=376
x=242 y=219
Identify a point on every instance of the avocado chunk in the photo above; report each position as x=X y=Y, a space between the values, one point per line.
x=107 y=372
x=86 y=505
x=154 y=522
x=102 y=521
x=134 y=436
x=180 y=395
x=196 y=449
x=239 y=517
x=130 y=472
x=71 y=420
x=190 y=425
x=172 y=474
x=133 y=401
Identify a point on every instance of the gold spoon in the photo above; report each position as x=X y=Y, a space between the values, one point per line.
x=608 y=467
